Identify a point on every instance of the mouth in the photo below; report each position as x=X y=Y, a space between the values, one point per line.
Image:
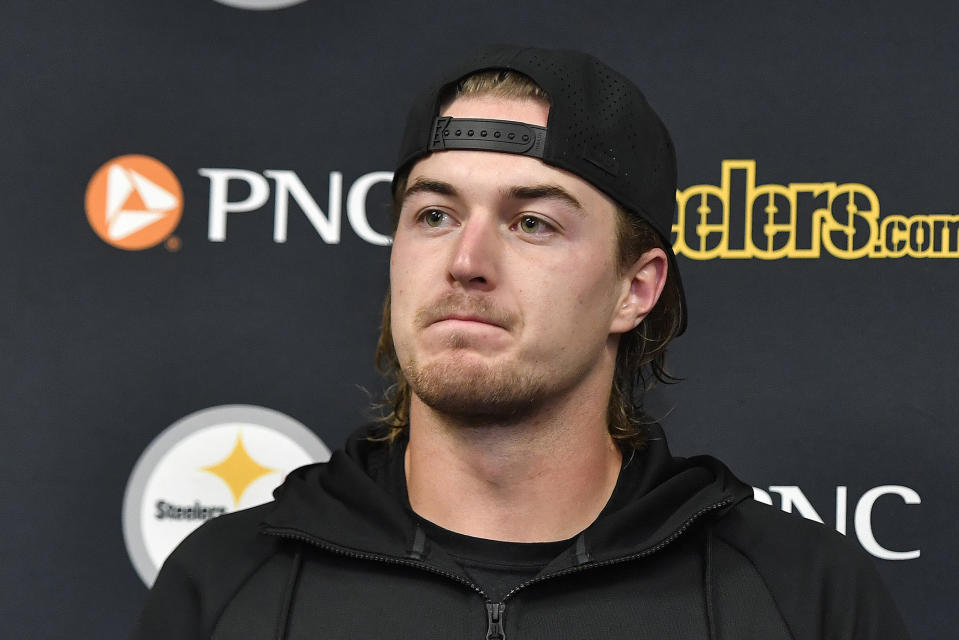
x=464 y=317
x=465 y=311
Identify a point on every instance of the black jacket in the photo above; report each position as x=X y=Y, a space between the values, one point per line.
x=681 y=552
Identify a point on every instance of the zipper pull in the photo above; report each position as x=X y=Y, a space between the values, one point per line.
x=494 y=616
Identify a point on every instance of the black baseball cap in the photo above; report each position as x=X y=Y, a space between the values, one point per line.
x=600 y=127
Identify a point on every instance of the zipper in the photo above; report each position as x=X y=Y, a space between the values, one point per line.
x=295 y=534
x=495 y=611
x=494 y=617
x=636 y=556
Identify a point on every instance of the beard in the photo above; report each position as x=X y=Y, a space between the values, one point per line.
x=468 y=388
x=472 y=392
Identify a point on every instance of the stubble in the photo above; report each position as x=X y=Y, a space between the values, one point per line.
x=463 y=385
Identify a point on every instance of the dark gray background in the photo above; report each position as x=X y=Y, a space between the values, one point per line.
x=814 y=373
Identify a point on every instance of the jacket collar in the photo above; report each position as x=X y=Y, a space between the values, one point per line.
x=357 y=503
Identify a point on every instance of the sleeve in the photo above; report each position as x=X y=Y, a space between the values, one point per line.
x=823 y=585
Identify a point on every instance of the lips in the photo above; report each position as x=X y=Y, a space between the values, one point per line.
x=469 y=318
x=460 y=307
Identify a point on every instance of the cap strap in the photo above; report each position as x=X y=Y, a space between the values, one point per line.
x=488 y=135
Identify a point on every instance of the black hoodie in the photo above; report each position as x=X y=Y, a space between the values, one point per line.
x=681 y=551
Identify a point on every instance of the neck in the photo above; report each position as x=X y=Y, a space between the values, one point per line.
x=541 y=479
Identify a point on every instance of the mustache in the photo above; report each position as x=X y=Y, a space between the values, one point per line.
x=455 y=303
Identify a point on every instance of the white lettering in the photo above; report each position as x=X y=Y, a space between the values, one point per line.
x=863 y=521
x=356 y=207
x=762 y=496
x=794 y=497
x=842 y=504
x=220 y=206
x=287 y=184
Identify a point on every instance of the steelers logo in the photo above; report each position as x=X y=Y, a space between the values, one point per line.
x=209 y=463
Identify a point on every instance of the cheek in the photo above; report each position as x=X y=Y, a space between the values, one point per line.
x=399 y=294
x=583 y=303
x=401 y=319
x=410 y=289
x=401 y=272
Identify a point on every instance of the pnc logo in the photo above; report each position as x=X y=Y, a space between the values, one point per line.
x=792 y=498
x=134 y=202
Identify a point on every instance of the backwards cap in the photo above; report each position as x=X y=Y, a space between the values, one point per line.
x=599 y=127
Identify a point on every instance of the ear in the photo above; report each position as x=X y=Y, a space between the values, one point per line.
x=642 y=285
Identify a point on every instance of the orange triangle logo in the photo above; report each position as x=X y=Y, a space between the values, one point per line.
x=134 y=202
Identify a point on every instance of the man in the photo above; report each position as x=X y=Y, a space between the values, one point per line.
x=516 y=490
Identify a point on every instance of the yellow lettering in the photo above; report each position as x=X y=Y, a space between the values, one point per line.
x=852 y=229
x=800 y=220
x=893 y=237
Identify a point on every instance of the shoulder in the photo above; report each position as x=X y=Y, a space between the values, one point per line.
x=222 y=553
x=758 y=529
x=230 y=537
x=203 y=573
x=786 y=548
x=823 y=584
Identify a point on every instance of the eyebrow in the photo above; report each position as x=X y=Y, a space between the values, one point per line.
x=533 y=192
x=426 y=185
x=544 y=191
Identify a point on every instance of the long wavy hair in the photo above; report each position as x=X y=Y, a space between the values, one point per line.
x=641 y=355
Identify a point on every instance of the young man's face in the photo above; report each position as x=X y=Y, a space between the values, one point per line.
x=504 y=281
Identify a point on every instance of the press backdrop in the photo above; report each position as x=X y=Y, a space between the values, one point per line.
x=145 y=389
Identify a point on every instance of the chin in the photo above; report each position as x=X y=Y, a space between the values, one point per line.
x=472 y=390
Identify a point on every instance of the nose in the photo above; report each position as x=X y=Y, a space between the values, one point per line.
x=475 y=259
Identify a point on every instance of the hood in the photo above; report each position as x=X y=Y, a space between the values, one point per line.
x=357 y=501
x=348 y=501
